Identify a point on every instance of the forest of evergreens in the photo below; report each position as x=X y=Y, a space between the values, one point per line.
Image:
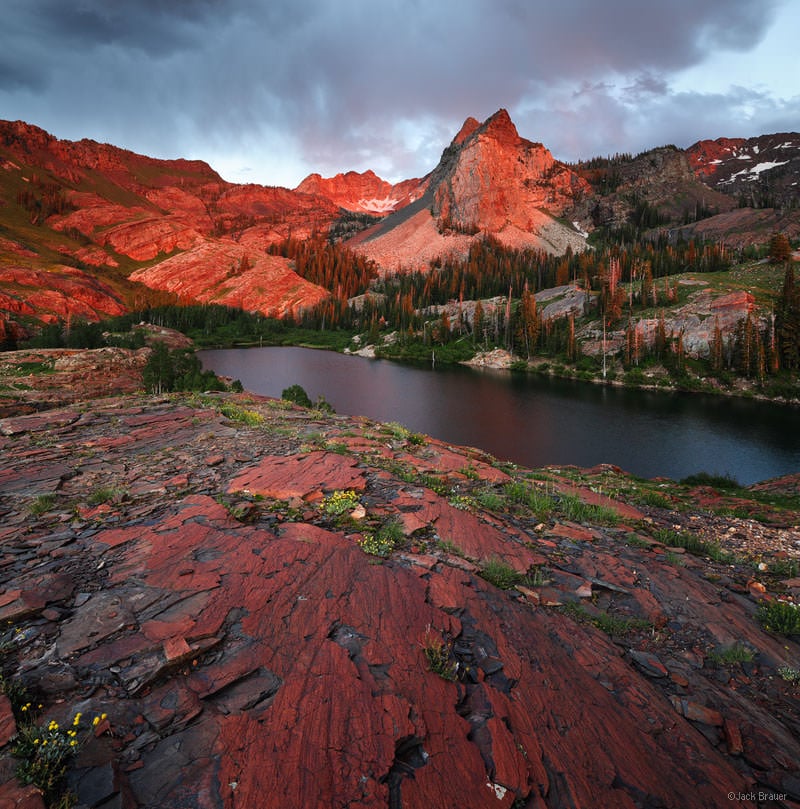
x=486 y=300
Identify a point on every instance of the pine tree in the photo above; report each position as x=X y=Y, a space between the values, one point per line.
x=788 y=321
x=572 y=346
x=717 y=348
x=529 y=318
x=780 y=249
x=478 y=323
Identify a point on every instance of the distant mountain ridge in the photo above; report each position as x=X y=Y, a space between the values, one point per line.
x=112 y=229
x=763 y=171
x=364 y=192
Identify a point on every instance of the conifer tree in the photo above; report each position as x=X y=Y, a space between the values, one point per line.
x=779 y=248
x=788 y=321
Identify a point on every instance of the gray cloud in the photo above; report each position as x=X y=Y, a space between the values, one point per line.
x=331 y=85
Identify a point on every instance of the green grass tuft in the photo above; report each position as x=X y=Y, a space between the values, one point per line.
x=781 y=617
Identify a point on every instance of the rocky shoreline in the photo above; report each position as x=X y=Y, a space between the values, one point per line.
x=179 y=565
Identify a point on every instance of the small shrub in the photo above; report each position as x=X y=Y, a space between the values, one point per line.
x=463 y=502
x=789 y=674
x=322 y=405
x=448 y=546
x=500 y=574
x=635 y=541
x=339 y=503
x=785 y=568
x=539 y=502
x=438 y=653
x=42 y=504
x=489 y=499
x=694 y=545
x=782 y=617
x=435 y=483
x=297 y=395
x=384 y=540
x=573 y=508
x=45 y=751
x=538 y=578
x=105 y=494
x=616 y=625
x=715 y=481
x=650 y=498
x=241 y=414
x=604 y=621
x=738 y=653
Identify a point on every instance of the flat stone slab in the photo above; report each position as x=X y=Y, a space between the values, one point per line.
x=284 y=477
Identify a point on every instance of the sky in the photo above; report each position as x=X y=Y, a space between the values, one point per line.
x=268 y=91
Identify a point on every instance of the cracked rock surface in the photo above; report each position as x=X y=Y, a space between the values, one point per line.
x=186 y=573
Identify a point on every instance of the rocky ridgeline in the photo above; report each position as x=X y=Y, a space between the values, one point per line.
x=276 y=607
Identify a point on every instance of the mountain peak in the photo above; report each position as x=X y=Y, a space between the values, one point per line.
x=500 y=126
x=467 y=128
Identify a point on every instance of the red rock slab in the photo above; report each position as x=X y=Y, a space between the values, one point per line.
x=176 y=649
x=45 y=590
x=14 y=795
x=579 y=533
x=179 y=417
x=284 y=477
x=29 y=479
x=625 y=511
x=338 y=637
x=164 y=630
x=119 y=536
x=9 y=596
x=474 y=538
x=442 y=459
x=37 y=422
x=8 y=727
x=695 y=712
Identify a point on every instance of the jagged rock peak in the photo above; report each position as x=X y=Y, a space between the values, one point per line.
x=467 y=128
x=500 y=126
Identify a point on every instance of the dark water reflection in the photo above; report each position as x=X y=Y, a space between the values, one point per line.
x=534 y=421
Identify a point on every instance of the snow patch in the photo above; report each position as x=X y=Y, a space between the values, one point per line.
x=580 y=230
x=767 y=166
x=385 y=205
x=752 y=173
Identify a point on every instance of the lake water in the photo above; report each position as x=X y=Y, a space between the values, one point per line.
x=534 y=421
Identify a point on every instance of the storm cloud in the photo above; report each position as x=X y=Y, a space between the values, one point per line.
x=267 y=92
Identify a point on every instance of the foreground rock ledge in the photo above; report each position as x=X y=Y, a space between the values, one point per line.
x=172 y=568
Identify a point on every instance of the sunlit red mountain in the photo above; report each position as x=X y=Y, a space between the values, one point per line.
x=88 y=229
